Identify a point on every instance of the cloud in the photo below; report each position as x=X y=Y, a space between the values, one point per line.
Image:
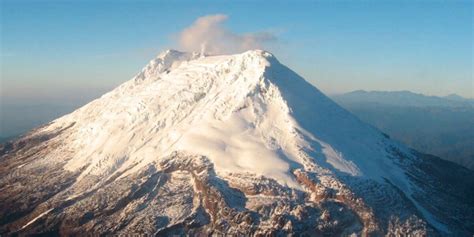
x=208 y=34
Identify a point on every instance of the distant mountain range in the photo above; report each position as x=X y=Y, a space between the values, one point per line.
x=404 y=98
x=442 y=126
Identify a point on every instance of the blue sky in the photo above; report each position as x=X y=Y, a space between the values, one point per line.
x=76 y=50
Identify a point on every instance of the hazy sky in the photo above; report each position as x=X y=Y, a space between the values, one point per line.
x=69 y=50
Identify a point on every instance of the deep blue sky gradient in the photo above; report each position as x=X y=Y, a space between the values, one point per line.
x=68 y=50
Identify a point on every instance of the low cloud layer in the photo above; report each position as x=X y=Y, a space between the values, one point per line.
x=208 y=34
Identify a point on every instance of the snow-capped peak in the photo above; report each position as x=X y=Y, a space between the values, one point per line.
x=242 y=111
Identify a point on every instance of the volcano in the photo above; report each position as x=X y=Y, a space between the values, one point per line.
x=224 y=145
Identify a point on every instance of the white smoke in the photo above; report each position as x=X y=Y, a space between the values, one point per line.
x=208 y=34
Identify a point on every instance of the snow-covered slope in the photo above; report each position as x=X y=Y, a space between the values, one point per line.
x=221 y=144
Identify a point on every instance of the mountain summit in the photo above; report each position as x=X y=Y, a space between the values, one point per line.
x=232 y=144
